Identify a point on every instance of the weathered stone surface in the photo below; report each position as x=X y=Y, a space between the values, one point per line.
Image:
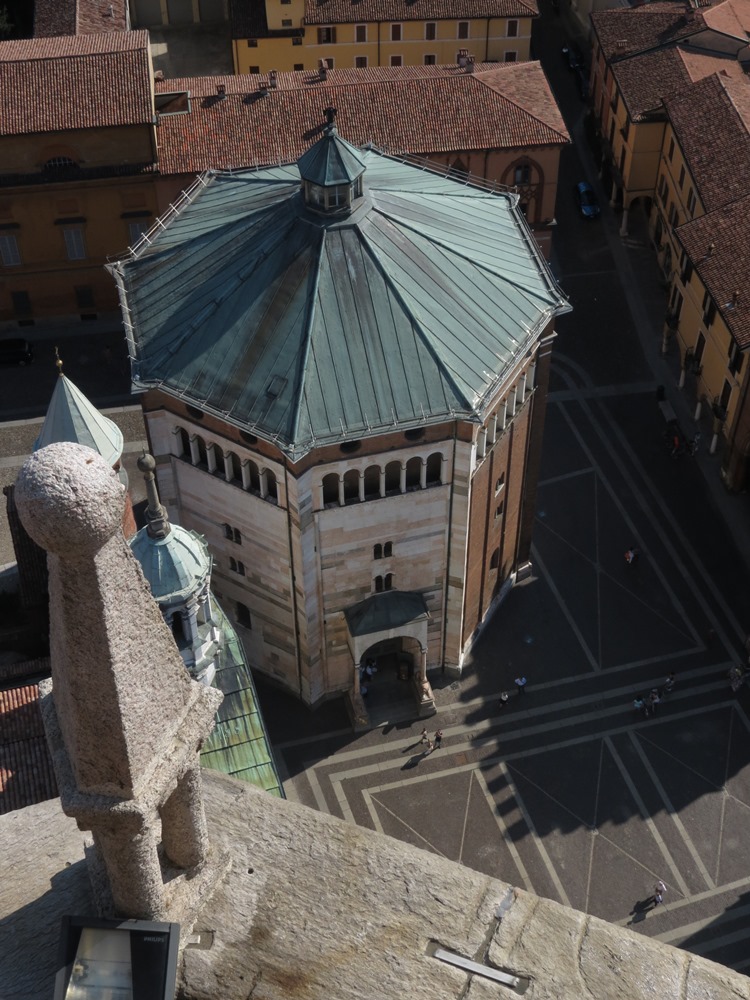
x=333 y=910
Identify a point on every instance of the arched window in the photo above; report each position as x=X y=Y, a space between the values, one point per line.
x=372 y=482
x=228 y=533
x=434 y=468
x=393 y=478
x=202 y=453
x=413 y=473
x=330 y=489
x=388 y=550
x=243 y=615
x=377 y=552
x=388 y=583
x=194 y=412
x=178 y=630
x=272 y=492
x=378 y=584
x=499 y=483
x=233 y=564
x=59 y=163
x=495 y=559
x=241 y=568
x=184 y=439
x=234 y=466
x=351 y=486
x=237 y=536
x=253 y=478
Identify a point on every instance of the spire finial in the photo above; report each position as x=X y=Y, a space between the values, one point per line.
x=58 y=362
x=156 y=515
x=330 y=116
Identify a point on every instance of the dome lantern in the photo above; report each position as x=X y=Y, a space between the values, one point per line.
x=331 y=172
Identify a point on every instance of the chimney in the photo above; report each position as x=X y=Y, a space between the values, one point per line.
x=711 y=248
x=735 y=298
x=463 y=58
x=322 y=69
x=221 y=89
x=273 y=79
x=470 y=60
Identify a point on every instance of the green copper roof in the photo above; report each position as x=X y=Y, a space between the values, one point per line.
x=308 y=330
x=331 y=161
x=388 y=610
x=238 y=744
x=174 y=566
x=71 y=417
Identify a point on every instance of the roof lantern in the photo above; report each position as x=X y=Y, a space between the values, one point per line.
x=331 y=171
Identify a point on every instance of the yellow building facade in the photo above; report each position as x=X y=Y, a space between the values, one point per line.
x=293 y=41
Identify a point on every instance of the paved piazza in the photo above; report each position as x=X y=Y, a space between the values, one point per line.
x=568 y=792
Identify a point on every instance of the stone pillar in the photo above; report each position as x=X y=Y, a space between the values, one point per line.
x=263 y=476
x=698 y=408
x=523 y=387
x=176 y=442
x=504 y=410
x=246 y=474
x=185 y=836
x=195 y=453
x=361 y=487
x=423 y=475
x=129 y=852
x=402 y=478
x=382 y=480
x=613 y=195
x=228 y=466
x=211 y=457
x=493 y=428
x=624 y=223
x=482 y=442
x=342 y=498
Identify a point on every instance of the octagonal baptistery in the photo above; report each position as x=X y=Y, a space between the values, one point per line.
x=346 y=361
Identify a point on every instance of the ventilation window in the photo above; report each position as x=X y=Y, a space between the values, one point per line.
x=194 y=412
x=377 y=552
x=387 y=550
x=248 y=438
x=243 y=615
x=415 y=434
x=348 y=447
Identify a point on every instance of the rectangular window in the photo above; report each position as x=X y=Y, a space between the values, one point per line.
x=662 y=188
x=463 y=29
x=395 y=32
x=687 y=269
x=512 y=28
x=296 y=40
x=682 y=177
x=329 y=62
x=21 y=304
x=84 y=296
x=75 y=246
x=252 y=43
x=522 y=174
x=136 y=230
x=670 y=154
x=429 y=60
x=430 y=31
x=254 y=69
x=298 y=67
x=360 y=33
x=286 y=22
x=709 y=310
x=735 y=359
x=396 y=61
x=360 y=62
x=691 y=201
x=511 y=56
x=700 y=346
x=726 y=395
x=326 y=36
x=9 y=255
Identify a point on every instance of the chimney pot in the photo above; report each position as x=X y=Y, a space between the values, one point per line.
x=221 y=89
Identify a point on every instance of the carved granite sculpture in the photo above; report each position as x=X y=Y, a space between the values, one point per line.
x=123 y=718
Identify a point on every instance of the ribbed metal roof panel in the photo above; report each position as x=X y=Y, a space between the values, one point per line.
x=309 y=330
x=71 y=417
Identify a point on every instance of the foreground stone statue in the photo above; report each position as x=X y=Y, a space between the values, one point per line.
x=123 y=718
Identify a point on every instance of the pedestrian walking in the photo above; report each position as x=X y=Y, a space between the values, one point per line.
x=639 y=704
x=631 y=555
x=520 y=683
x=504 y=699
x=654 y=700
x=423 y=737
x=438 y=739
x=659 y=890
x=669 y=684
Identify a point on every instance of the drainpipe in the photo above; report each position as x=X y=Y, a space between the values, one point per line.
x=293 y=583
x=448 y=553
x=379 y=23
x=487 y=42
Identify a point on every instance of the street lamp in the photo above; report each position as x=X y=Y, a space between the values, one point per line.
x=127 y=959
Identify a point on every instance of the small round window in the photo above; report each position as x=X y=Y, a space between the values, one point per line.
x=248 y=438
x=415 y=434
x=350 y=446
x=194 y=412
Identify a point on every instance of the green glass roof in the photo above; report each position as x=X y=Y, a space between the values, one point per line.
x=238 y=744
x=306 y=330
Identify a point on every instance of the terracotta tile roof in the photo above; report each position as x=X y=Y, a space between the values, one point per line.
x=96 y=80
x=26 y=774
x=731 y=17
x=78 y=17
x=626 y=31
x=360 y=11
x=724 y=271
x=415 y=109
x=711 y=121
x=644 y=80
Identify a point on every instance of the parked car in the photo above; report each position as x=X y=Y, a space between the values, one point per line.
x=16 y=351
x=587 y=202
x=572 y=55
